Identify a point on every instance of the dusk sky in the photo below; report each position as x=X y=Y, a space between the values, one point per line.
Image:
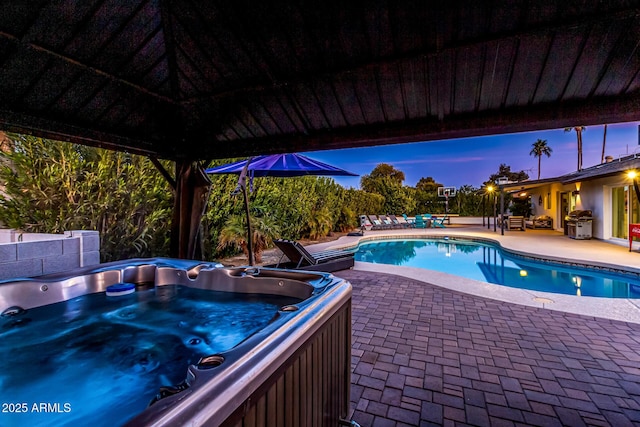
x=471 y=161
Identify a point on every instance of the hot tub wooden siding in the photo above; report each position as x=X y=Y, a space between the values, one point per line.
x=312 y=388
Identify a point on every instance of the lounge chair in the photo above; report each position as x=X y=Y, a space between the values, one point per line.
x=377 y=224
x=399 y=221
x=438 y=222
x=365 y=223
x=301 y=259
x=387 y=220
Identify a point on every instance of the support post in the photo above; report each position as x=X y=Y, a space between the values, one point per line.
x=502 y=211
x=495 y=213
x=249 y=232
x=190 y=201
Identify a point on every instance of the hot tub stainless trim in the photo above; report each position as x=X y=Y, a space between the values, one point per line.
x=45 y=290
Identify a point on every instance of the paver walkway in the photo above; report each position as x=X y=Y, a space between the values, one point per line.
x=425 y=355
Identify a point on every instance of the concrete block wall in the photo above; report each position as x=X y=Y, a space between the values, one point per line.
x=34 y=254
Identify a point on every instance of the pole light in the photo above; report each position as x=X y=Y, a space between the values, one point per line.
x=502 y=181
x=490 y=190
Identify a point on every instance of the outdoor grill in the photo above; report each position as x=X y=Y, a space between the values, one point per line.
x=579 y=224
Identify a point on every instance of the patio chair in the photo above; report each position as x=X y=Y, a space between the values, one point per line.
x=514 y=221
x=411 y=222
x=420 y=222
x=438 y=222
x=301 y=259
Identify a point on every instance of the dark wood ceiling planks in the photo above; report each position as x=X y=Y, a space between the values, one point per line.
x=187 y=79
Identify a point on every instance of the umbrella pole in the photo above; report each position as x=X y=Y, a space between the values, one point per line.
x=249 y=240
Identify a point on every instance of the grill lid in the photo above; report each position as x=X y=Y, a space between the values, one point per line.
x=579 y=214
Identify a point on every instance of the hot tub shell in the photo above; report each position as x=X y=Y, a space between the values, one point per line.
x=294 y=372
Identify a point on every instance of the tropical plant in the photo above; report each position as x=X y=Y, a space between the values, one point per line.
x=348 y=219
x=51 y=187
x=579 y=130
x=319 y=223
x=539 y=148
x=234 y=234
x=468 y=201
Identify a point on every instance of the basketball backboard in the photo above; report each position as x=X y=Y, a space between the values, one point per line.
x=446 y=191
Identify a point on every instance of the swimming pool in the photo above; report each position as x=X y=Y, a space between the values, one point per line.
x=488 y=262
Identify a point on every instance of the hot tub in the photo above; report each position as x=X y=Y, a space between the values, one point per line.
x=177 y=343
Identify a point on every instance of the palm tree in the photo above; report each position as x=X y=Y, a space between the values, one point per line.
x=234 y=234
x=579 y=130
x=539 y=148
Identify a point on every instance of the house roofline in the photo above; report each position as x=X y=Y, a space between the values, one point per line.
x=601 y=170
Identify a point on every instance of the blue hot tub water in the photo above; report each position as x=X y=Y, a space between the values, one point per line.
x=111 y=355
x=489 y=263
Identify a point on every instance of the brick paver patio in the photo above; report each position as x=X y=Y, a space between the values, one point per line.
x=425 y=355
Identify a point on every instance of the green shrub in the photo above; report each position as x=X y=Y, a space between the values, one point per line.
x=51 y=187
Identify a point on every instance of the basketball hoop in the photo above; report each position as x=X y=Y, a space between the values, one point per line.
x=446 y=192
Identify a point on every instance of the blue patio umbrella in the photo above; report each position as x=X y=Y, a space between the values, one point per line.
x=281 y=165
x=276 y=165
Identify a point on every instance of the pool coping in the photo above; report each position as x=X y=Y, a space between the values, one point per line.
x=622 y=309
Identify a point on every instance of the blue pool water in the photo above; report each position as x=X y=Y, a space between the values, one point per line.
x=66 y=362
x=488 y=263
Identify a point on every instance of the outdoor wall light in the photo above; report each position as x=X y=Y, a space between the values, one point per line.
x=576 y=192
x=632 y=174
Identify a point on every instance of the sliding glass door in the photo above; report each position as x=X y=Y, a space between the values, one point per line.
x=621 y=199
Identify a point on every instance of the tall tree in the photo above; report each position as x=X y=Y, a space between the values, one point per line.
x=579 y=130
x=505 y=171
x=386 y=181
x=428 y=184
x=383 y=170
x=539 y=148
